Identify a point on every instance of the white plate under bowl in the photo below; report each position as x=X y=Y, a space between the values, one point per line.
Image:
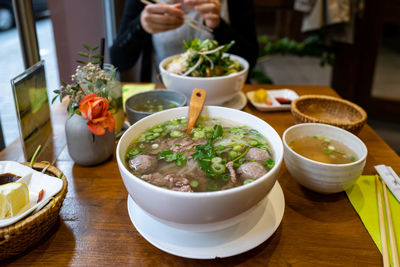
x=239 y=101
x=38 y=181
x=256 y=228
x=276 y=106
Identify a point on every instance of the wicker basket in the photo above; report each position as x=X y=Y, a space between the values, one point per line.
x=18 y=237
x=330 y=110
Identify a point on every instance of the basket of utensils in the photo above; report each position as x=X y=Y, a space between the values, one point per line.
x=18 y=237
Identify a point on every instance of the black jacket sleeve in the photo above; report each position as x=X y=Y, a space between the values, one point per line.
x=241 y=29
x=131 y=39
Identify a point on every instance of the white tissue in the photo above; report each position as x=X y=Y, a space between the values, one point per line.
x=391 y=179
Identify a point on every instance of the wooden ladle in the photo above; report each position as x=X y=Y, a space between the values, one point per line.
x=195 y=107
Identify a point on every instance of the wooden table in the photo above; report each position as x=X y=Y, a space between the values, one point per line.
x=95 y=229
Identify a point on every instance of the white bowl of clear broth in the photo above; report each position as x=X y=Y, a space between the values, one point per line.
x=199 y=192
x=323 y=158
x=220 y=89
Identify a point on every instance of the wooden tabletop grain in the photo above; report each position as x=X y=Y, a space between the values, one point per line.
x=95 y=230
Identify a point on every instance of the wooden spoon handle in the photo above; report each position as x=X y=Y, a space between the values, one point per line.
x=195 y=107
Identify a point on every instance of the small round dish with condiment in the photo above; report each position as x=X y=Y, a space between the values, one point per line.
x=272 y=100
x=143 y=104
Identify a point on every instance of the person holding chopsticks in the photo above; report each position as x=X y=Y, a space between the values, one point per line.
x=157 y=30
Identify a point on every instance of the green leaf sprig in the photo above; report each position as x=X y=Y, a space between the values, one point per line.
x=90 y=55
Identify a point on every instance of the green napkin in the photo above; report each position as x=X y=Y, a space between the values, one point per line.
x=130 y=89
x=362 y=196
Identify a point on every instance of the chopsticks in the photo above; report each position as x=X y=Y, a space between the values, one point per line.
x=191 y=23
x=385 y=252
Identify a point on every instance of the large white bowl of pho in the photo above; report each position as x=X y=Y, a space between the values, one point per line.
x=323 y=158
x=205 y=65
x=204 y=181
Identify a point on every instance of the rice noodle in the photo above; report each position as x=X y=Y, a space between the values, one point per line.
x=194 y=67
x=229 y=140
x=190 y=166
x=212 y=51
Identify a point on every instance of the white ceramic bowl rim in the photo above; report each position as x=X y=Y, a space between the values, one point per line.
x=241 y=60
x=328 y=126
x=277 y=164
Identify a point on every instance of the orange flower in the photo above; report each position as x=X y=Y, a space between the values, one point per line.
x=95 y=109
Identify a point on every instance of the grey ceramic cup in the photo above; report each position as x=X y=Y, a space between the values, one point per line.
x=159 y=94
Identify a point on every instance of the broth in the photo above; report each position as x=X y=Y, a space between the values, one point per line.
x=217 y=155
x=154 y=106
x=323 y=149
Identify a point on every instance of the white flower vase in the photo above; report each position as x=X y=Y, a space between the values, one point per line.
x=83 y=149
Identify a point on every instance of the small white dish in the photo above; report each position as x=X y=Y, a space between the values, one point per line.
x=237 y=102
x=253 y=230
x=273 y=94
x=321 y=177
x=36 y=182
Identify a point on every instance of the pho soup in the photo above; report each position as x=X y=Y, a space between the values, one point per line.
x=217 y=155
x=152 y=106
x=323 y=149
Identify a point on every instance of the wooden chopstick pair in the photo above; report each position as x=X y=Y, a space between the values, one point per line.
x=392 y=237
x=189 y=20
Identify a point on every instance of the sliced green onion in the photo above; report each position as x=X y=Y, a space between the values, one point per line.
x=133 y=152
x=211 y=186
x=176 y=133
x=152 y=136
x=209 y=175
x=218 y=168
x=198 y=134
x=233 y=154
x=216 y=160
x=208 y=129
x=270 y=163
x=194 y=184
x=247 y=181
x=237 y=148
x=253 y=142
x=326 y=151
x=157 y=130
x=226 y=177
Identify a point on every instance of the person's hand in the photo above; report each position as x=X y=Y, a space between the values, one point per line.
x=209 y=10
x=161 y=18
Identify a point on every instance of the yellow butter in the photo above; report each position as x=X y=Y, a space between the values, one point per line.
x=260 y=96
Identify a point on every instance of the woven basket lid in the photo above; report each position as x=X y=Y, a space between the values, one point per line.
x=330 y=110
